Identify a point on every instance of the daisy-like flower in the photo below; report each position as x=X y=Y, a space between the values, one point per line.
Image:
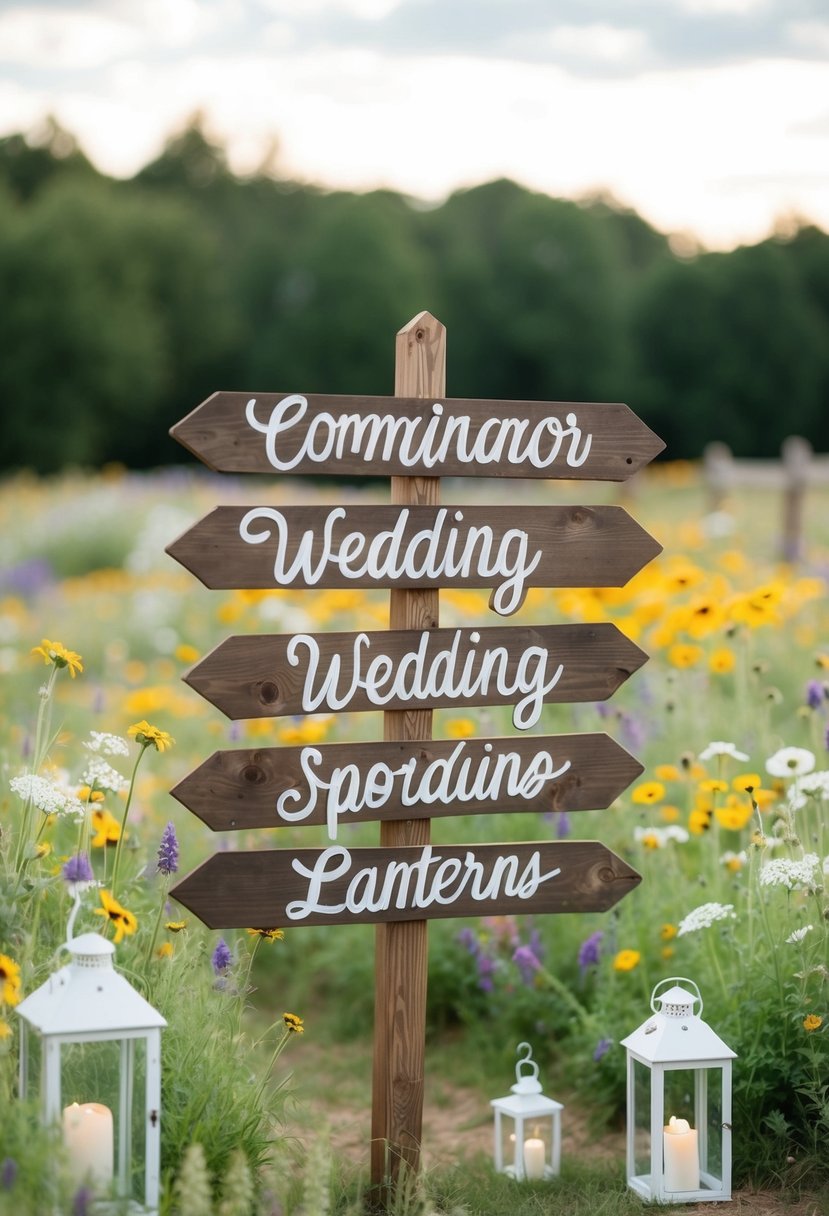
x=626 y=960
x=460 y=728
x=293 y=1023
x=56 y=652
x=9 y=980
x=667 y=932
x=270 y=935
x=790 y=762
x=120 y=917
x=107 y=745
x=150 y=736
x=704 y=916
x=747 y=783
x=734 y=862
x=797 y=935
x=165 y=950
x=814 y=785
x=812 y=1021
x=107 y=829
x=46 y=795
x=648 y=792
x=789 y=873
x=721 y=748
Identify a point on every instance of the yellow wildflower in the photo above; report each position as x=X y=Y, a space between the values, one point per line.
x=721 y=661
x=55 y=652
x=186 y=653
x=165 y=950
x=5 y=1030
x=698 y=822
x=107 y=828
x=706 y=615
x=460 y=728
x=626 y=960
x=175 y=926
x=650 y=840
x=812 y=1021
x=86 y=794
x=670 y=814
x=119 y=916
x=9 y=980
x=648 y=792
x=667 y=952
x=293 y=1023
x=151 y=736
x=747 y=783
x=668 y=932
x=684 y=655
x=270 y=935
x=307 y=731
x=667 y=772
x=734 y=815
x=713 y=785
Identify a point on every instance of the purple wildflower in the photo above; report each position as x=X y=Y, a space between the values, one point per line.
x=468 y=938
x=222 y=958
x=168 y=851
x=82 y=1202
x=814 y=694
x=563 y=828
x=486 y=968
x=633 y=731
x=527 y=963
x=78 y=869
x=602 y=1048
x=8 y=1173
x=589 y=951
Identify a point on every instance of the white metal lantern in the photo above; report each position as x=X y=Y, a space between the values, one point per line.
x=678 y=1102
x=527 y=1126
x=90 y=1045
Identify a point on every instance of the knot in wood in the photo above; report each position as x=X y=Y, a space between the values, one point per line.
x=253 y=774
x=268 y=692
x=607 y=874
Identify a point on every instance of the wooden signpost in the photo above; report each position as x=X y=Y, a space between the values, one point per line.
x=414 y=546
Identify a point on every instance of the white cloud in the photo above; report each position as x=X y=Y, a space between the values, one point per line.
x=606 y=43
x=63 y=38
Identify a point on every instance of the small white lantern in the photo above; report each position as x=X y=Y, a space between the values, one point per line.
x=678 y=1102
x=91 y=1046
x=527 y=1126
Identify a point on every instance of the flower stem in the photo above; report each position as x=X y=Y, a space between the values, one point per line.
x=124 y=824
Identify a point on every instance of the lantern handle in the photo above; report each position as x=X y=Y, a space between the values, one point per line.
x=526 y=1083
x=677 y=979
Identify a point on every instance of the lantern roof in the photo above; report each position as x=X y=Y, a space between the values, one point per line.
x=88 y=996
x=675 y=1032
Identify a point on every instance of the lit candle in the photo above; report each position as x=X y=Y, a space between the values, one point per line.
x=87 y=1134
x=534 y=1157
x=681 y=1156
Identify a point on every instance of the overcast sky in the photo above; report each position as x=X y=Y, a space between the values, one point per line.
x=708 y=116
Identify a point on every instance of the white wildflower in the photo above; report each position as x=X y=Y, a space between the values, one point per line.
x=734 y=861
x=657 y=838
x=798 y=934
x=787 y=872
x=673 y=832
x=790 y=762
x=100 y=775
x=719 y=748
x=107 y=745
x=704 y=916
x=46 y=795
x=810 y=784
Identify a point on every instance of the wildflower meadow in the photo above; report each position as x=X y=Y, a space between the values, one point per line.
x=727 y=826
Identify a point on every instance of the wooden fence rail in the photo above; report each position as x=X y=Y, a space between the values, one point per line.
x=792 y=475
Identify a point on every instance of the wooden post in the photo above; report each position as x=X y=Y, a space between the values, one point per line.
x=401 y=947
x=796 y=454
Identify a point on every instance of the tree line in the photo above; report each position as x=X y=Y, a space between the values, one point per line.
x=125 y=303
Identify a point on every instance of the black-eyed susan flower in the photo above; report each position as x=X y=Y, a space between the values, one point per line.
x=120 y=917
x=722 y=661
x=269 y=935
x=293 y=1023
x=57 y=653
x=175 y=926
x=684 y=655
x=107 y=828
x=150 y=736
x=667 y=932
x=9 y=980
x=648 y=792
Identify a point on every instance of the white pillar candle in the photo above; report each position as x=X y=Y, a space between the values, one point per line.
x=87 y=1134
x=534 y=1157
x=681 y=1156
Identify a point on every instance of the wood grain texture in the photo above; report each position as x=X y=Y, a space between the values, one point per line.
x=239 y=789
x=256 y=890
x=251 y=677
x=401 y=947
x=576 y=546
x=217 y=433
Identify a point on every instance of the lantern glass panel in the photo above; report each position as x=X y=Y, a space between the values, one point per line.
x=113 y=1073
x=642 y=1118
x=711 y=1144
x=679 y=1095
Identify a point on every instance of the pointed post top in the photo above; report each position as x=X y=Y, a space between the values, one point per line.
x=420 y=358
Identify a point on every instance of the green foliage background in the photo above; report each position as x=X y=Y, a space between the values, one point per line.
x=128 y=302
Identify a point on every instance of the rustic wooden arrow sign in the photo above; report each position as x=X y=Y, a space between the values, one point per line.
x=509 y=548
x=336 y=886
x=416 y=436
x=277 y=786
x=525 y=666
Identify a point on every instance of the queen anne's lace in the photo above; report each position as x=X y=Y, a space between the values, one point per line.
x=107 y=745
x=786 y=872
x=704 y=916
x=103 y=776
x=46 y=795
